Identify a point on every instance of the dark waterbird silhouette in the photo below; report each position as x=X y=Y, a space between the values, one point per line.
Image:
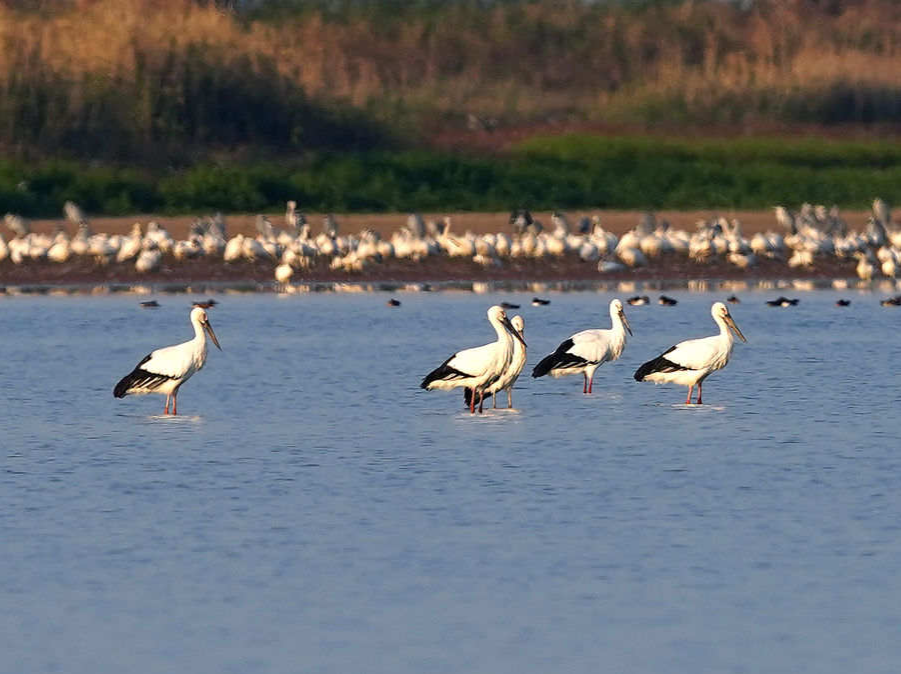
x=782 y=302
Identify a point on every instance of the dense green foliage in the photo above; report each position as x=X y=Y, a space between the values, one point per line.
x=572 y=171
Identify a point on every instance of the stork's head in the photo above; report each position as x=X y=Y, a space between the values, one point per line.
x=497 y=314
x=720 y=312
x=199 y=317
x=616 y=311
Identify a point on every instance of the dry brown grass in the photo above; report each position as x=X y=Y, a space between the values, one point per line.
x=169 y=83
x=516 y=62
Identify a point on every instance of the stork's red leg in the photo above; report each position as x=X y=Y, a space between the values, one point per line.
x=166 y=411
x=590 y=383
x=699 y=395
x=584 y=383
x=175 y=404
x=688 y=399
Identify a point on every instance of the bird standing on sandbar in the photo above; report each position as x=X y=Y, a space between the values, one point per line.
x=587 y=350
x=166 y=369
x=692 y=361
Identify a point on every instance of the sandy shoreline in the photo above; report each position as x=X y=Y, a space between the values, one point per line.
x=671 y=270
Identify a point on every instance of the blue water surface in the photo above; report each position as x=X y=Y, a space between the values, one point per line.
x=312 y=510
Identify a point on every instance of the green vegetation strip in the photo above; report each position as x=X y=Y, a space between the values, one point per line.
x=572 y=171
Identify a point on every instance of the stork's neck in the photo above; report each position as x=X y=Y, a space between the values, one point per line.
x=199 y=335
x=619 y=328
x=501 y=330
x=725 y=333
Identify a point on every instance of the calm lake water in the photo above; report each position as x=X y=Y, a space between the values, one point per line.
x=313 y=510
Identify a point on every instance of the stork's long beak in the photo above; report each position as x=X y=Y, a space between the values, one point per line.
x=209 y=329
x=731 y=324
x=622 y=315
x=513 y=331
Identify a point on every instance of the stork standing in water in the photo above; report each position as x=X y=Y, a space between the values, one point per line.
x=479 y=367
x=587 y=350
x=506 y=381
x=165 y=370
x=691 y=362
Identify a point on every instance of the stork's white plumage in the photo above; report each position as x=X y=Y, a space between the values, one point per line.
x=587 y=350
x=506 y=381
x=479 y=367
x=165 y=370
x=691 y=362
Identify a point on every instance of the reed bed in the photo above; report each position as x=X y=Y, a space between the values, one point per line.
x=173 y=81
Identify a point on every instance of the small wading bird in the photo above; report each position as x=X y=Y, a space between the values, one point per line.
x=691 y=362
x=506 y=381
x=165 y=370
x=479 y=367
x=585 y=351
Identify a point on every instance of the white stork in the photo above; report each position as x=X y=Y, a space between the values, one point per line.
x=479 y=367
x=165 y=370
x=587 y=350
x=506 y=381
x=692 y=361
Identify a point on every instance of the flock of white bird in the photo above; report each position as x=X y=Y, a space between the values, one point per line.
x=800 y=239
x=486 y=370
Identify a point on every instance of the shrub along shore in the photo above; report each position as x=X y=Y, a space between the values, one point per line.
x=565 y=172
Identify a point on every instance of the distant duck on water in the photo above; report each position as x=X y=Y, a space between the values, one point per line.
x=782 y=302
x=842 y=303
x=538 y=302
x=667 y=301
x=639 y=300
